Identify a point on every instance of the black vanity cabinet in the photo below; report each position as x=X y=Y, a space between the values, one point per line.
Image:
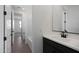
x=50 y=46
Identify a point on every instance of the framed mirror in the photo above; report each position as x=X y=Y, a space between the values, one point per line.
x=66 y=17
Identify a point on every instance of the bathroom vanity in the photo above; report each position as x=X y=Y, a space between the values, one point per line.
x=64 y=36
x=53 y=43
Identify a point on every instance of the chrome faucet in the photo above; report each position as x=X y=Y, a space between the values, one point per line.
x=64 y=34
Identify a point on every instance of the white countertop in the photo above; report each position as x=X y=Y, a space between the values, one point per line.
x=71 y=41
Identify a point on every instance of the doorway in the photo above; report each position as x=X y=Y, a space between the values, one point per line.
x=18 y=42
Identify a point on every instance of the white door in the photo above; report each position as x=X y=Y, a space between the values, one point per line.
x=1 y=29
x=8 y=28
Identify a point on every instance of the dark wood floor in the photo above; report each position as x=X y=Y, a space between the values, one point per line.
x=19 y=46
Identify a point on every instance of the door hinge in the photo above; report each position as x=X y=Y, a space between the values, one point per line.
x=5 y=38
x=5 y=12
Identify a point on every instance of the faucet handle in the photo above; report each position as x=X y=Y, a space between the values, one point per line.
x=65 y=31
x=64 y=34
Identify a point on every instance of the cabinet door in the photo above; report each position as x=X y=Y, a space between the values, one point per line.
x=47 y=48
x=50 y=47
x=53 y=47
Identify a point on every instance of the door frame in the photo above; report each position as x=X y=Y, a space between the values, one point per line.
x=4 y=29
x=11 y=31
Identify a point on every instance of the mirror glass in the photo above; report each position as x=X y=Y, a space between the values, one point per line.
x=66 y=18
x=57 y=18
x=72 y=18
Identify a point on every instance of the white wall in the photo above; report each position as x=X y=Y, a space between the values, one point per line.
x=47 y=18
x=42 y=22
x=42 y=16
x=37 y=43
x=27 y=24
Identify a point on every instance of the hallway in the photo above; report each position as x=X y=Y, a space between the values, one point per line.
x=19 y=46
